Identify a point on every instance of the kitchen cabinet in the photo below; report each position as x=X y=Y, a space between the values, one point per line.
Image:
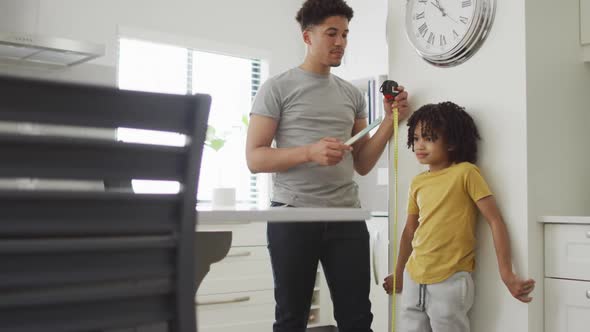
x=567 y=274
x=237 y=293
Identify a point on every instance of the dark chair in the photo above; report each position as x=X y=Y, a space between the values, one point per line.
x=97 y=260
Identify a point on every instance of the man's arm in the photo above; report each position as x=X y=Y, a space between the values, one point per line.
x=519 y=288
x=262 y=158
x=366 y=151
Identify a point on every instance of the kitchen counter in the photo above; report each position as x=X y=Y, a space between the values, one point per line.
x=246 y=214
x=212 y=241
x=564 y=220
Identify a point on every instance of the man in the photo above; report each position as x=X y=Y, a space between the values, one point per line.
x=309 y=113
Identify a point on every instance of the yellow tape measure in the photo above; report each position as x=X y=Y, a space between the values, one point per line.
x=389 y=90
x=395 y=180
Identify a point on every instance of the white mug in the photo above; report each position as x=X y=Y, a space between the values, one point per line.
x=224 y=197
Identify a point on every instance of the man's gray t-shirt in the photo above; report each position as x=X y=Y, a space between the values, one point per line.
x=309 y=107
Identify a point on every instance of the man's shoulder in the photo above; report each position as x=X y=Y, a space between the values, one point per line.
x=279 y=83
x=288 y=77
x=279 y=77
x=345 y=84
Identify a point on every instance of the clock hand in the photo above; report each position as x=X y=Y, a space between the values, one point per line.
x=438 y=7
x=444 y=11
x=452 y=19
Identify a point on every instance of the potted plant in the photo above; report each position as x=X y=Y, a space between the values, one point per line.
x=212 y=140
x=223 y=196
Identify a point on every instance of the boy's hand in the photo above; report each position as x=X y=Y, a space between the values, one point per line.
x=519 y=288
x=388 y=284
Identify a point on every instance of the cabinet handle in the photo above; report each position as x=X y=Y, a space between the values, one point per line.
x=588 y=294
x=588 y=234
x=234 y=300
x=375 y=275
x=240 y=254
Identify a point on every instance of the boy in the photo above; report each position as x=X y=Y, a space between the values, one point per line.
x=437 y=246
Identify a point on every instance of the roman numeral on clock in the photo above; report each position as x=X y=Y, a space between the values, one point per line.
x=466 y=3
x=431 y=39
x=422 y=29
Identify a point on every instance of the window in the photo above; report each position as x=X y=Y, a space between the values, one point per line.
x=231 y=81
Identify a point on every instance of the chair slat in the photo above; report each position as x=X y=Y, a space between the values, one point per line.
x=80 y=105
x=80 y=244
x=53 y=269
x=91 y=316
x=84 y=293
x=85 y=161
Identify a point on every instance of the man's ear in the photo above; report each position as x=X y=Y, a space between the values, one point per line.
x=306 y=36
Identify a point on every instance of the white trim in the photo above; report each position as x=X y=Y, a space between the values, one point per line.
x=246 y=214
x=196 y=44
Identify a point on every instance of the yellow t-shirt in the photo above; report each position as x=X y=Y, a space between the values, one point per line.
x=444 y=201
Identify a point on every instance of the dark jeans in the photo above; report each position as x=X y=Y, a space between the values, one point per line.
x=343 y=249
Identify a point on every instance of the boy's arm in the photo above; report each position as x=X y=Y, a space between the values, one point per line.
x=405 y=250
x=519 y=288
x=405 y=244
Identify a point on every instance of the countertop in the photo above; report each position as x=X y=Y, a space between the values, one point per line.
x=245 y=214
x=564 y=220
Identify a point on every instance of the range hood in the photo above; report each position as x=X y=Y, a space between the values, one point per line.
x=21 y=48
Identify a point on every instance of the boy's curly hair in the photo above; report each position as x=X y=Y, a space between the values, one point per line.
x=450 y=121
x=316 y=11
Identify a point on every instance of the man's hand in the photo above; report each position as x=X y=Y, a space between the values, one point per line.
x=327 y=152
x=519 y=288
x=400 y=102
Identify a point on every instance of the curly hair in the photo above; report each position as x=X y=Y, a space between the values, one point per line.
x=316 y=11
x=450 y=121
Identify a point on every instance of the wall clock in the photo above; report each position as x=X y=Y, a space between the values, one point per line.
x=448 y=32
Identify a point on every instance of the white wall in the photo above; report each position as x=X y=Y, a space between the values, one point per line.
x=492 y=86
x=558 y=99
x=265 y=25
x=366 y=53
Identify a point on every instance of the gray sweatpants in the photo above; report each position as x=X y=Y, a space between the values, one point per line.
x=440 y=307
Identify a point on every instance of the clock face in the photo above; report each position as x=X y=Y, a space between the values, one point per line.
x=446 y=32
